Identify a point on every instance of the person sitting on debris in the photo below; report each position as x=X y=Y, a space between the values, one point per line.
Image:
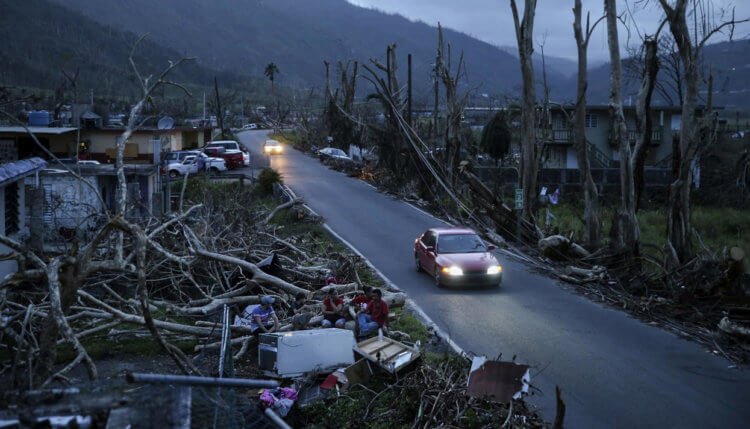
x=333 y=310
x=259 y=317
x=360 y=301
x=302 y=311
x=375 y=316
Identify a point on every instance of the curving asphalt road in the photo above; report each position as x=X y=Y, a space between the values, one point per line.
x=614 y=371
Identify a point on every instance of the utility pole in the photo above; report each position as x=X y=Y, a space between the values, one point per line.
x=409 y=111
x=219 y=112
x=204 y=105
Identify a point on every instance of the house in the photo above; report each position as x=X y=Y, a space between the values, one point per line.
x=604 y=150
x=13 y=221
x=144 y=146
x=16 y=143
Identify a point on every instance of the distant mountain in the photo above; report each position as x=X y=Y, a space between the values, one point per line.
x=558 y=65
x=40 y=39
x=238 y=38
x=243 y=36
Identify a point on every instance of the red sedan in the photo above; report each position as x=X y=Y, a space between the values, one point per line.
x=457 y=257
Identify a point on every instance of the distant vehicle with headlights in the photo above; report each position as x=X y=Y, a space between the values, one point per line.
x=272 y=147
x=457 y=257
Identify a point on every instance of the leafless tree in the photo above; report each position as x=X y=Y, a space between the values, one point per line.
x=625 y=222
x=454 y=106
x=590 y=192
x=706 y=23
x=530 y=146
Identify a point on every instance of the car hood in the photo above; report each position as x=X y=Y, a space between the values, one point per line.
x=467 y=261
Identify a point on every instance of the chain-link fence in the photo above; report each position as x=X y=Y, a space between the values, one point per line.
x=224 y=407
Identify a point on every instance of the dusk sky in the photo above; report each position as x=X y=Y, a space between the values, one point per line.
x=491 y=20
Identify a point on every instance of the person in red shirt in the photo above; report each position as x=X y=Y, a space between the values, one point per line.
x=361 y=301
x=333 y=310
x=375 y=316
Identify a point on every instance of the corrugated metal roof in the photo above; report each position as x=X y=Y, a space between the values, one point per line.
x=15 y=170
x=37 y=130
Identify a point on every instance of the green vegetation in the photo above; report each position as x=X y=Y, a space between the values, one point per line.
x=409 y=324
x=717 y=226
x=267 y=178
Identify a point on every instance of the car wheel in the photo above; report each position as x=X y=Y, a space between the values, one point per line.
x=417 y=265
x=214 y=170
x=174 y=174
x=438 y=281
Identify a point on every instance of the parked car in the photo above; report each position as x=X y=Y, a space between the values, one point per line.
x=189 y=165
x=233 y=158
x=250 y=127
x=272 y=147
x=457 y=257
x=205 y=162
x=332 y=153
x=232 y=145
x=212 y=164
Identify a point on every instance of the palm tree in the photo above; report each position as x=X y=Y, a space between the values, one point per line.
x=271 y=71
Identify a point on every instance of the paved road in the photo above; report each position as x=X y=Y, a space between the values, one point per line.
x=614 y=370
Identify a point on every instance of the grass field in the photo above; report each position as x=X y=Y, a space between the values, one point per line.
x=718 y=227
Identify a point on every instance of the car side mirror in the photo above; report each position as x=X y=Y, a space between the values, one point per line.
x=491 y=247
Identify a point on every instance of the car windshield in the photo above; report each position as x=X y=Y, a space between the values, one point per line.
x=461 y=243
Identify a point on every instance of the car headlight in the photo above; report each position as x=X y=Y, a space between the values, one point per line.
x=495 y=269
x=453 y=271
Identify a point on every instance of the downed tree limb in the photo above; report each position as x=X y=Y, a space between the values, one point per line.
x=728 y=327
x=131 y=318
x=56 y=310
x=288 y=245
x=258 y=274
x=280 y=207
x=340 y=288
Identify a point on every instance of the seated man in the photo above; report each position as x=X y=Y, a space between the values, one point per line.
x=333 y=310
x=259 y=317
x=301 y=310
x=375 y=316
x=361 y=301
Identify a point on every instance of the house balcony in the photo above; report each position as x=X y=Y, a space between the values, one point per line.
x=563 y=136
x=632 y=136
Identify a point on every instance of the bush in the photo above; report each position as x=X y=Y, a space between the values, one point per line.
x=266 y=179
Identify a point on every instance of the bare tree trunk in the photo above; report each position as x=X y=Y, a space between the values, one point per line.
x=530 y=152
x=454 y=109
x=590 y=192
x=629 y=234
x=644 y=122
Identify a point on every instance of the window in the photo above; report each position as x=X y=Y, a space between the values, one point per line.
x=591 y=120
x=11 y=209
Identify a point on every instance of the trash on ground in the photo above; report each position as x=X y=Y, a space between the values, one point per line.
x=387 y=353
x=497 y=381
x=280 y=399
x=295 y=353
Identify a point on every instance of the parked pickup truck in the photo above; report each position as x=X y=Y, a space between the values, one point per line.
x=205 y=162
x=189 y=165
x=231 y=145
x=233 y=158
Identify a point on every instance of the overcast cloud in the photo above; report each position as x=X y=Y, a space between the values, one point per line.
x=491 y=20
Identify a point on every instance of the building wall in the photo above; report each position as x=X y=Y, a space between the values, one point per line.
x=69 y=203
x=11 y=266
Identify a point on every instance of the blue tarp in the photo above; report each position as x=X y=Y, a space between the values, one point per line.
x=16 y=170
